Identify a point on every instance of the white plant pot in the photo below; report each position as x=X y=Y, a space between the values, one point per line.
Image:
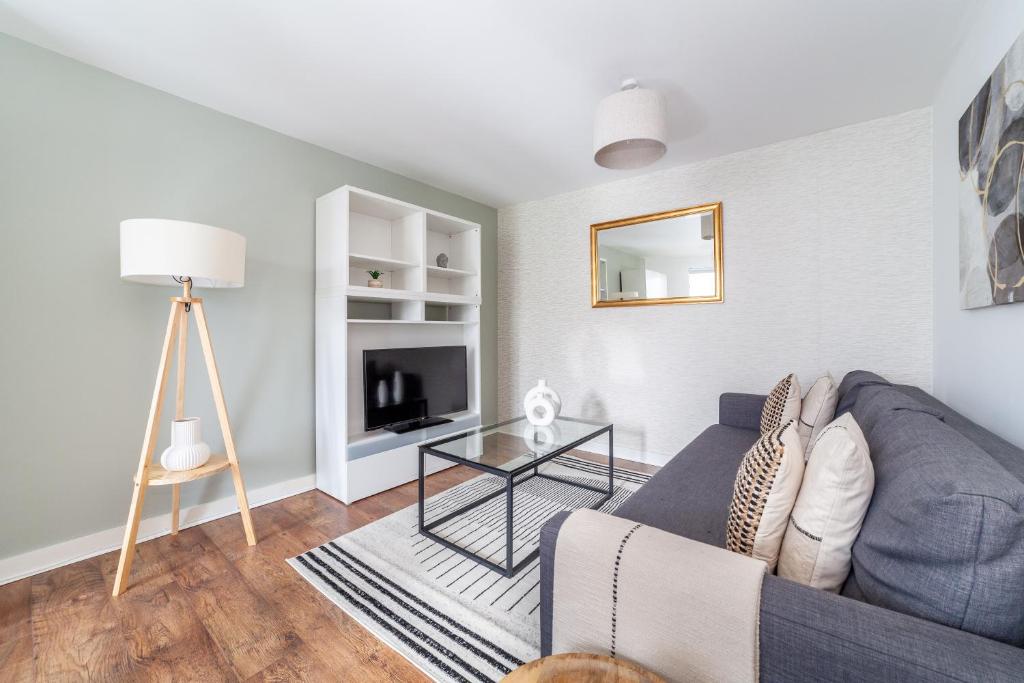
x=187 y=450
x=542 y=405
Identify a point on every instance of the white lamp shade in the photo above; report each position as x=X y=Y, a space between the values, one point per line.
x=630 y=129
x=154 y=251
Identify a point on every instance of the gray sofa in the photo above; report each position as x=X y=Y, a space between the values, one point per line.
x=937 y=586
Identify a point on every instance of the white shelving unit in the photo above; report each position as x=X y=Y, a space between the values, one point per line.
x=419 y=305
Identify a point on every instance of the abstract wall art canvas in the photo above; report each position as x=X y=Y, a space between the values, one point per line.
x=991 y=140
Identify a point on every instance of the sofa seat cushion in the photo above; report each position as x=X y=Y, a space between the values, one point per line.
x=943 y=538
x=690 y=495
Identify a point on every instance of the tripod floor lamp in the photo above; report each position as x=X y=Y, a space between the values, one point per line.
x=178 y=253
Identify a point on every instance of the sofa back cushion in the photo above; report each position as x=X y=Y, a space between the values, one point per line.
x=943 y=538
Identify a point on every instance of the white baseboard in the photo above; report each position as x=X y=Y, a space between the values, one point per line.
x=623 y=453
x=60 y=554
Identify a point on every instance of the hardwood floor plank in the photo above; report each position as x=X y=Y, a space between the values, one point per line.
x=227 y=534
x=236 y=617
x=16 y=631
x=75 y=629
x=165 y=637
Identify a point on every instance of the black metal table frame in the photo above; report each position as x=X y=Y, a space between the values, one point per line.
x=508 y=569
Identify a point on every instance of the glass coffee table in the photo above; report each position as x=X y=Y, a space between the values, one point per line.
x=512 y=450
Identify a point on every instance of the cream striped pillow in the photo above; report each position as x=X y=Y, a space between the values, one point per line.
x=817 y=409
x=839 y=480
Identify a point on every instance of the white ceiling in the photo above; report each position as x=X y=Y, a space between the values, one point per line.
x=494 y=100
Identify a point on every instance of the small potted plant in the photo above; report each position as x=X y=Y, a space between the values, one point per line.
x=375 y=280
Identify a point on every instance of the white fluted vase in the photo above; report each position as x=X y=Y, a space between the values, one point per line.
x=187 y=450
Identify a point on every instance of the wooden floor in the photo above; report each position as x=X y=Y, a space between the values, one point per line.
x=203 y=605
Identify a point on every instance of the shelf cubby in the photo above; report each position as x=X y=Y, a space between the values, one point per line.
x=455 y=313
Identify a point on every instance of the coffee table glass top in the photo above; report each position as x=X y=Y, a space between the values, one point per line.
x=516 y=444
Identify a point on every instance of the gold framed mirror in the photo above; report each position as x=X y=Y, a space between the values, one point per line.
x=671 y=257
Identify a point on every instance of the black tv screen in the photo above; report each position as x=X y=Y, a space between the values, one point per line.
x=400 y=385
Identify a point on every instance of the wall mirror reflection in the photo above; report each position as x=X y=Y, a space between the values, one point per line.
x=672 y=257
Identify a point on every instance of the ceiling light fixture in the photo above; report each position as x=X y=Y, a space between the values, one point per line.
x=630 y=127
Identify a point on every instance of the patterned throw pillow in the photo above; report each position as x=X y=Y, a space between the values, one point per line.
x=782 y=405
x=817 y=409
x=766 y=488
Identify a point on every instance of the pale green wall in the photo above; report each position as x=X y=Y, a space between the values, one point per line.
x=82 y=149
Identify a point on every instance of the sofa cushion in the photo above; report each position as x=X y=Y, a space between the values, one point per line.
x=944 y=535
x=690 y=495
x=1005 y=453
x=851 y=386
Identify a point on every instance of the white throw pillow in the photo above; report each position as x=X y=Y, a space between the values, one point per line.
x=838 y=482
x=782 y=404
x=817 y=409
x=767 y=484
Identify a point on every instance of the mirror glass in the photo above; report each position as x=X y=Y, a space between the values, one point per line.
x=669 y=257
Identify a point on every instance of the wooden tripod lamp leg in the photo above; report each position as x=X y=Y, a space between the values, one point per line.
x=179 y=406
x=124 y=564
x=225 y=426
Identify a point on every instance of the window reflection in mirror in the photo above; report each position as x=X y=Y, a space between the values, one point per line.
x=669 y=257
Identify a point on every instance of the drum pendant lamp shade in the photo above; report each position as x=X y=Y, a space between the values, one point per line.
x=155 y=251
x=630 y=128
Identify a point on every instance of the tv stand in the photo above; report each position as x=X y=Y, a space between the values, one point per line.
x=419 y=423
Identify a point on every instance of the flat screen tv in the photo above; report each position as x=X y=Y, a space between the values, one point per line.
x=407 y=389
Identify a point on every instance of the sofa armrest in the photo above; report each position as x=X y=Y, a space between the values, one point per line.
x=741 y=410
x=807 y=634
x=617 y=587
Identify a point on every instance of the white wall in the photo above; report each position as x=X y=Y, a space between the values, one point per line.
x=978 y=366
x=828 y=266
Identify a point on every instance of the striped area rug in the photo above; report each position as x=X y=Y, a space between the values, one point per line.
x=451 y=617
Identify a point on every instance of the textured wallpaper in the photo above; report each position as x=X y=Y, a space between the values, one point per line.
x=828 y=267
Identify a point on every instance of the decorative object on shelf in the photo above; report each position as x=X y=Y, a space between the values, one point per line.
x=629 y=127
x=990 y=138
x=542 y=404
x=442 y=260
x=179 y=253
x=375 y=280
x=187 y=450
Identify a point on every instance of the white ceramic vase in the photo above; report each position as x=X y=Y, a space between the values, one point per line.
x=542 y=405
x=187 y=450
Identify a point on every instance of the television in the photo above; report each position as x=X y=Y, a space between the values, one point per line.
x=407 y=389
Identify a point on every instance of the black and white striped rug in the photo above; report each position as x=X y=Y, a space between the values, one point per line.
x=453 y=618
